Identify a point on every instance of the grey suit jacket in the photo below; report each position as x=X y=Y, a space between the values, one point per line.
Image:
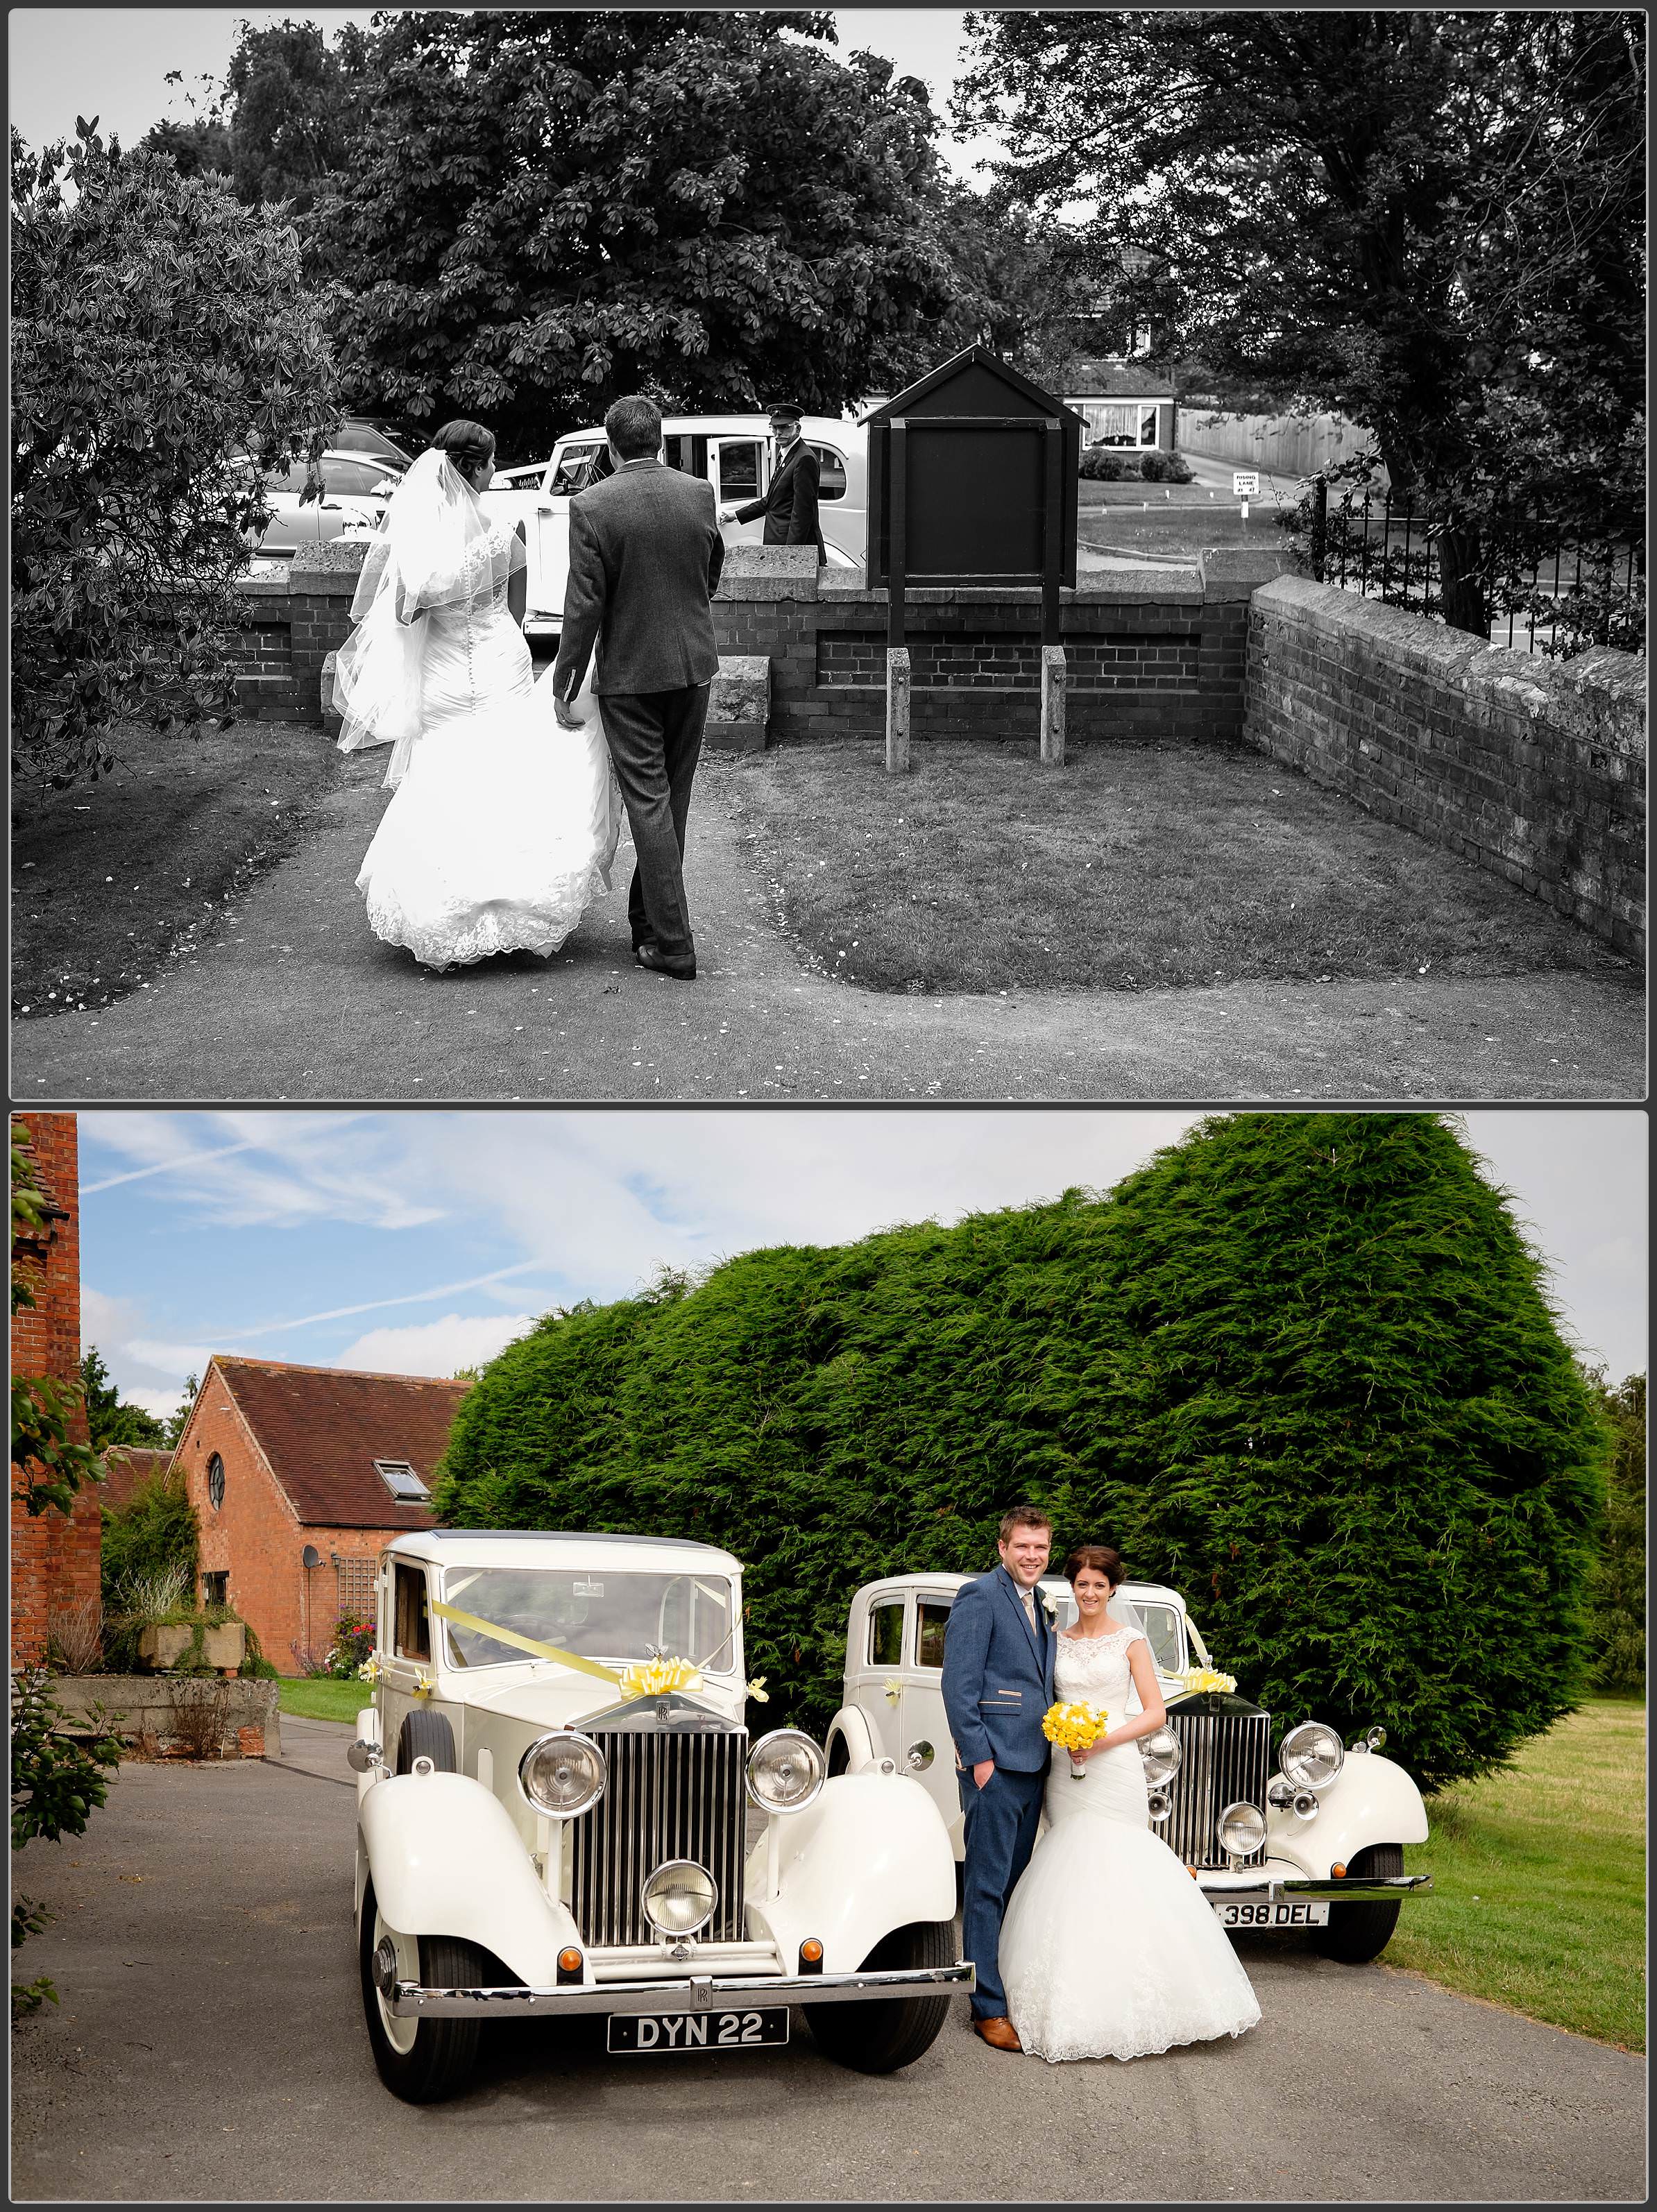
x=644 y=557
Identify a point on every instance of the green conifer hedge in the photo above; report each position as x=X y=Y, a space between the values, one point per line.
x=1300 y=1366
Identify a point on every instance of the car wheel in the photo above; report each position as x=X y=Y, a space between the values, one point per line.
x=1359 y=1933
x=886 y=2033
x=422 y=2061
x=427 y=1734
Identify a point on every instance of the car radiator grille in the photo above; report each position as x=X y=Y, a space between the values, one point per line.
x=1225 y=1758
x=668 y=1796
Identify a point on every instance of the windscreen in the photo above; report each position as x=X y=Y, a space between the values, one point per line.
x=592 y=1610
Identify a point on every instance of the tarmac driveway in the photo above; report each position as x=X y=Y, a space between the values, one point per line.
x=210 y=2046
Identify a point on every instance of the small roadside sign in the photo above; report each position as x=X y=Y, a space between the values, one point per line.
x=1245 y=484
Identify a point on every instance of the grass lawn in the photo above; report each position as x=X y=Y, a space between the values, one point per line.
x=108 y=876
x=319 y=1698
x=1132 y=867
x=1539 y=1876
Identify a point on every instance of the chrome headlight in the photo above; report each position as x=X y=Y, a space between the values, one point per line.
x=1312 y=1755
x=679 y=1898
x=1367 y=1739
x=785 y=1772
x=1241 y=1830
x=563 y=1773
x=1161 y=1754
x=1158 y=1804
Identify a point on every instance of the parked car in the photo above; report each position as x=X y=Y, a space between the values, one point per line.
x=393 y=443
x=732 y=452
x=545 y=1825
x=355 y=490
x=1318 y=1844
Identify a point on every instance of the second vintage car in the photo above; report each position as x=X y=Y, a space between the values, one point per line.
x=1317 y=1843
x=559 y=1812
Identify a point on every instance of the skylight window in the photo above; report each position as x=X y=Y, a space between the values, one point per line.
x=400 y=1480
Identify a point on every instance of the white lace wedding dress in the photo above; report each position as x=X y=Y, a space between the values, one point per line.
x=1109 y=1949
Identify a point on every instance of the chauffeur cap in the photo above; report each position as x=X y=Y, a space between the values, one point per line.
x=785 y=411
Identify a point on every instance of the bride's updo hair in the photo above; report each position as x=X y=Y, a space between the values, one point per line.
x=468 y=444
x=1099 y=1557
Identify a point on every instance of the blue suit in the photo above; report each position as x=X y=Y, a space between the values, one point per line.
x=998 y=1684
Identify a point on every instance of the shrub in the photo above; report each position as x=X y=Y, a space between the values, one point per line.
x=1300 y=1367
x=1616 y=1592
x=1158 y=467
x=159 y=329
x=353 y=1641
x=1105 y=464
x=150 y=1546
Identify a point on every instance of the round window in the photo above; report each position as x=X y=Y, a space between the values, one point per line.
x=216 y=1480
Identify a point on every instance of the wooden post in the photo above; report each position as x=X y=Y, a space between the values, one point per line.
x=898 y=543
x=1052 y=706
x=897 y=710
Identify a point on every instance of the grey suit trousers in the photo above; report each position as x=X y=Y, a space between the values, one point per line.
x=655 y=740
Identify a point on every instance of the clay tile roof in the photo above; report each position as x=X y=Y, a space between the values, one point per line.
x=126 y=1466
x=1118 y=379
x=322 y=1428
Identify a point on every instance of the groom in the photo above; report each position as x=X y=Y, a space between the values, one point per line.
x=998 y=1650
x=644 y=557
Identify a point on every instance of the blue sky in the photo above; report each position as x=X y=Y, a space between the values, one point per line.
x=420 y=1241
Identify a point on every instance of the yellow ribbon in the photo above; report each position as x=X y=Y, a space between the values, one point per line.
x=527 y=1644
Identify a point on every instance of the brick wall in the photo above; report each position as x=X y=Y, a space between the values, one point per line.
x=290 y=624
x=1149 y=652
x=256 y=1538
x=1533 y=768
x=54 y=1556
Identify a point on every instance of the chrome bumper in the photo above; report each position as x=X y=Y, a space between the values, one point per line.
x=691 y=1993
x=1359 y=1888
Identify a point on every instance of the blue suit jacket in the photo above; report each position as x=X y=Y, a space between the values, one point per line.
x=997 y=1677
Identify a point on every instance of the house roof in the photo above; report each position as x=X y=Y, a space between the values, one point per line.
x=321 y=1429
x=1120 y=379
x=127 y=1465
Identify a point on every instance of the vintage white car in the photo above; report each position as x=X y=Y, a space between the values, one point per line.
x=732 y=452
x=1318 y=1844
x=546 y=1826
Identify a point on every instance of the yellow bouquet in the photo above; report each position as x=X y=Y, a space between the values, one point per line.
x=1207 y=1678
x=653 y=1678
x=1074 y=1727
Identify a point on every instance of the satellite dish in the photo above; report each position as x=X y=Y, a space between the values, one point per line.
x=310 y=1557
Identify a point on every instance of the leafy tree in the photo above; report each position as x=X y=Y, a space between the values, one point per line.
x=158 y=329
x=155 y=1532
x=1430 y=221
x=110 y=1421
x=1617 y=1615
x=179 y=1419
x=56 y=1784
x=1299 y=1366
x=200 y=144
x=49 y=1461
x=291 y=99
x=538 y=211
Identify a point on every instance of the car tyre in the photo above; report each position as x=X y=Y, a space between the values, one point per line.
x=422 y=2061
x=427 y=1734
x=887 y=2033
x=1359 y=1933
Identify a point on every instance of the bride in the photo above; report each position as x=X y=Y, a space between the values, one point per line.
x=1109 y=1949
x=503 y=824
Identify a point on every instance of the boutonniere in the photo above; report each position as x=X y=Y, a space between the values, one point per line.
x=893 y=1689
x=1050 y=1604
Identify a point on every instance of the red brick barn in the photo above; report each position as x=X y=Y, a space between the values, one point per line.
x=54 y=1555
x=298 y=1475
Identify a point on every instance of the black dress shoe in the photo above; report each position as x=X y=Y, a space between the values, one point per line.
x=682 y=965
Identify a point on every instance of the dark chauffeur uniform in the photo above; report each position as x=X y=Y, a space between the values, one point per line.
x=790 y=504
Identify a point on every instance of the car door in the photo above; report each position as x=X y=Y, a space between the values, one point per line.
x=927 y=1749
x=841 y=509
x=738 y=468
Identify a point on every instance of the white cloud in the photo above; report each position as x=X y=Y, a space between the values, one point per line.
x=434 y=1347
x=106 y=1321
x=163 y=1404
x=283 y=1170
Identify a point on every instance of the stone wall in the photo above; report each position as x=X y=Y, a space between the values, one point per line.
x=54 y=1556
x=1533 y=768
x=143 y=1709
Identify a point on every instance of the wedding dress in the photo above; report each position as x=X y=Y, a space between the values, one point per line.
x=1109 y=1949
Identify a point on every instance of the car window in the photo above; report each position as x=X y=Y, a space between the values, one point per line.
x=739 y=469
x=831 y=473
x=1163 y=1627
x=886 y=1634
x=573 y=471
x=933 y=1617
x=354 y=477
x=595 y=1612
x=412 y=1630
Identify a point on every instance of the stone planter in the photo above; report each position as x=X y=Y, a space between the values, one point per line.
x=224 y=1648
x=161 y=1647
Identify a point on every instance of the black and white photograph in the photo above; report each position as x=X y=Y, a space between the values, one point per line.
x=830 y=1148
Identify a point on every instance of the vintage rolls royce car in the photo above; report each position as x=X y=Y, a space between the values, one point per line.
x=559 y=1811
x=1318 y=1843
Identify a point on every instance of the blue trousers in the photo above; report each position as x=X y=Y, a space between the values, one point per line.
x=1001 y=1820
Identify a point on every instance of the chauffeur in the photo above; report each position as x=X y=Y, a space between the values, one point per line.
x=790 y=504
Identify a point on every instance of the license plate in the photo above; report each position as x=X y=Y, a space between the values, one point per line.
x=1281 y=1914
x=698 y=2031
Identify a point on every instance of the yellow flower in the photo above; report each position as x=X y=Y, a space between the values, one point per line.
x=757 y=1691
x=893 y=1688
x=1073 y=1726
x=653 y=1678
x=369 y=1670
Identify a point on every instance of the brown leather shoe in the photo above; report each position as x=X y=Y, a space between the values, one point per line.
x=999 y=2034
